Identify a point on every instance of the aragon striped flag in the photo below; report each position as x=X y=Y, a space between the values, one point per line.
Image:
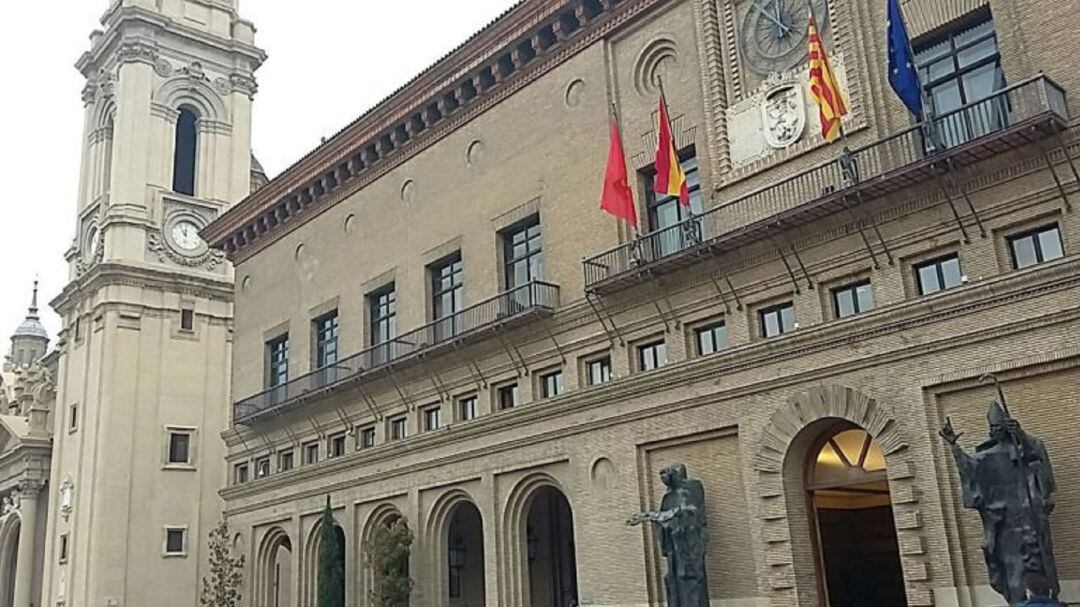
x=824 y=88
x=670 y=178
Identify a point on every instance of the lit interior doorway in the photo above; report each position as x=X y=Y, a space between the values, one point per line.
x=465 y=557
x=549 y=537
x=858 y=553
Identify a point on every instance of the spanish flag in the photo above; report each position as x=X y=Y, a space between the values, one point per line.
x=670 y=179
x=823 y=86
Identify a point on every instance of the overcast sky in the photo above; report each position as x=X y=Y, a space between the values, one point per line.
x=329 y=62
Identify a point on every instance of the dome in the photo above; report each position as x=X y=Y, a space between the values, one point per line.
x=31 y=326
x=258 y=174
x=256 y=166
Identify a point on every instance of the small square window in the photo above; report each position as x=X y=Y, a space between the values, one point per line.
x=598 y=370
x=179 y=447
x=853 y=299
x=367 y=437
x=651 y=356
x=551 y=384
x=63 y=548
x=73 y=418
x=262 y=467
x=286 y=461
x=939 y=274
x=337 y=445
x=240 y=474
x=432 y=418
x=777 y=320
x=710 y=338
x=507 y=396
x=311 y=453
x=187 y=319
x=175 y=540
x=467 y=408
x=399 y=428
x=1035 y=247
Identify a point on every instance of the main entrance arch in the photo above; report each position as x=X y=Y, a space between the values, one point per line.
x=549 y=546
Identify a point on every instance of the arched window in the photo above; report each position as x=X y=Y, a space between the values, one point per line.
x=187 y=142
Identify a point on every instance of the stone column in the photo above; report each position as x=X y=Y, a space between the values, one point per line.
x=24 y=566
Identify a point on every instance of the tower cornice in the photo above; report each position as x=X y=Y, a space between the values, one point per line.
x=114 y=274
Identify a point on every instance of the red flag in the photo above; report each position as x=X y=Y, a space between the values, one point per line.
x=618 y=199
x=670 y=179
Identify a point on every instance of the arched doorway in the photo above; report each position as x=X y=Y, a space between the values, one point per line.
x=313 y=561
x=549 y=547
x=9 y=558
x=858 y=553
x=464 y=557
x=274 y=573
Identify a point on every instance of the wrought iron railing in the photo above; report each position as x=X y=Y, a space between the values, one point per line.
x=874 y=169
x=508 y=306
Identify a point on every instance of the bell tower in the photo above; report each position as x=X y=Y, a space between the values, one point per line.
x=143 y=369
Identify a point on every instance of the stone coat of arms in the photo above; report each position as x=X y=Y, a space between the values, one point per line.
x=783 y=112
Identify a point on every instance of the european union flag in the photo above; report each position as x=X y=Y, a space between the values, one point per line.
x=902 y=73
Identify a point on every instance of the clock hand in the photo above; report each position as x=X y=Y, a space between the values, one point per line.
x=774 y=19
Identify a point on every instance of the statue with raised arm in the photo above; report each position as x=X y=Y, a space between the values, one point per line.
x=1010 y=482
x=683 y=537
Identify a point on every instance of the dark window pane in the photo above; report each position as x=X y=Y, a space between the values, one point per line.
x=179 y=447
x=523 y=255
x=184 y=155
x=174 y=542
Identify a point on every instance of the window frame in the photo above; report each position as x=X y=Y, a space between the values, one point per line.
x=400 y=421
x=957 y=73
x=777 y=309
x=172 y=433
x=425 y=419
x=916 y=269
x=710 y=329
x=1037 y=246
x=459 y=406
x=607 y=369
x=511 y=388
x=654 y=348
x=852 y=287
x=187 y=320
x=510 y=260
x=262 y=463
x=449 y=268
x=169 y=531
x=382 y=321
x=309 y=448
x=693 y=186
x=73 y=418
x=65 y=547
x=241 y=473
x=365 y=432
x=282 y=455
x=333 y=442
x=187 y=125
x=552 y=390
x=326 y=340
x=277 y=361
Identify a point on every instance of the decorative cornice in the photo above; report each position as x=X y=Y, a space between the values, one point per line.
x=530 y=40
x=109 y=274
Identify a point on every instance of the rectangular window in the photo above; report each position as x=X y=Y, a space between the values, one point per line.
x=1035 y=247
x=277 y=352
x=337 y=445
x=187 y=320
x=507 y=396
x=78 y=328
x=286 y=461
x=262 y=467
x=961 y=67
x=311 y=453
x=467 y=408
x=777 y=320
x=598 y=370
x=179 y=447
x=853 y=299
x=73 y=418
x=710 y=338
x=939 y=274
x=551 y=384
x=383 y=329
x=399 y=428
x=63 y=548
x=175 y=541
x=447 y=296
x=240 y=474
x=326 y=329
x=367 y=437
x=432 y=419
x=666 y=211
x=523 y=256
x=651 y=356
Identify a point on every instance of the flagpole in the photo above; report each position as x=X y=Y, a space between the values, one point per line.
x=674 y=137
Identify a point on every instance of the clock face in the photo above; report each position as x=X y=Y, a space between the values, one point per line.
x=773 y=33
x=185 y=235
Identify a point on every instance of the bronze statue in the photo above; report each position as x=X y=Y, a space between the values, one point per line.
x=1010 y=482
x=683 y=537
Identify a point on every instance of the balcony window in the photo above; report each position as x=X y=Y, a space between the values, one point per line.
x=337 y=445
x=710 y=338
x=383 y=306
x=286 y=461
x=777 y=320
x=1035 y=247
x=666 y=211
x=262 y=467
x=240 y=474
x=651 y=356
x=961 y=67
x=507 y=396
x=399 y=428
x=598 y=370
x=467 y=408
x=367 y=437
x=551 y=384
x=523 y=255
x=311 y=453
x=853 y=299
x=277 y=353
x=447 y=296
x=939 y=274
x=432 y=418
x=326 y=346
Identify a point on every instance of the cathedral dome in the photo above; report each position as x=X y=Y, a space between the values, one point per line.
x=31 y=326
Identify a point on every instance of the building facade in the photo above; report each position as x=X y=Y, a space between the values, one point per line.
x=435 y=323
x=143 y=356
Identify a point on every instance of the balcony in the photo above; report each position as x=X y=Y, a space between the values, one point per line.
x=1011 y=118
x=510 y=308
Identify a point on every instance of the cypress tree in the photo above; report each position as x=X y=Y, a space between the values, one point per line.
x=331 y=583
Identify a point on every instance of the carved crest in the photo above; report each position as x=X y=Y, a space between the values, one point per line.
x=783 y=112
